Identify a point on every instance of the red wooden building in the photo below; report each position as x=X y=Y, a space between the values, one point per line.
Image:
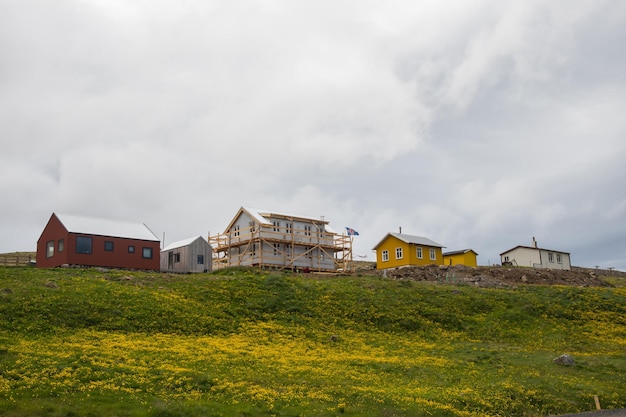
x=88 y=241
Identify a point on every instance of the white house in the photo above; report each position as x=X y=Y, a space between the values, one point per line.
x=186 y=256
x=534 y=256
x=278 y=240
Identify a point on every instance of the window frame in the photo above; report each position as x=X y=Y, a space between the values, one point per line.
x=433 y=254
x=385 y=255
x=61 y=245
x=131 y=248
x=399 y=253
x=81 y=245
x=50 y=249
x=109 y=246
x=419 y=252
x=147 y=252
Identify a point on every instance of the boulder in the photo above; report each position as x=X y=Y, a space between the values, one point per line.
x=565 y=360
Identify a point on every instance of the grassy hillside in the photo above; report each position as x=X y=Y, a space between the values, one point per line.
x=83 y=342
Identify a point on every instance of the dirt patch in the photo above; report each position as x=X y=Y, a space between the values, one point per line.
x=496 y=276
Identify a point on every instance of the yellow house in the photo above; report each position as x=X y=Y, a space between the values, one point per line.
x=398 y=250
x=465 y=257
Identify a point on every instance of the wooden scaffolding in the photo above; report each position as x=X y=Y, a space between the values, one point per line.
x=307 y=248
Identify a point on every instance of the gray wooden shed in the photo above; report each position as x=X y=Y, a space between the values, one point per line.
x=187 y=256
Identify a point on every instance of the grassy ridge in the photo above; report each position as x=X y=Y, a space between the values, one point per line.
x=79 y=342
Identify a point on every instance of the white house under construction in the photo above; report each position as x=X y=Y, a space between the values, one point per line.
x=277 y=240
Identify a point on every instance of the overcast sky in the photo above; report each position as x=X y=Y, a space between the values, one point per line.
x=478 y=124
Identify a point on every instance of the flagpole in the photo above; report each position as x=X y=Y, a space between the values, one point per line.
x=350 y=231
x=351 y=249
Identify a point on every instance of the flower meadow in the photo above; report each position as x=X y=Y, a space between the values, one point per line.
x=87 y=342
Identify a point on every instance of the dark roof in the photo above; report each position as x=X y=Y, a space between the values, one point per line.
x=459 y=252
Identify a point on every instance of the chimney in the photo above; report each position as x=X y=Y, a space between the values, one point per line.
x=534 y=243
x=400 y=229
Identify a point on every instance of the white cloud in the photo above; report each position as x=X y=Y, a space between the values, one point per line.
x=478 y=124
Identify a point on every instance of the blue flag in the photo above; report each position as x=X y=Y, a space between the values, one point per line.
x=351 y=231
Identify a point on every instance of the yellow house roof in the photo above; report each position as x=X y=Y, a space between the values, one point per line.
x=416 y=240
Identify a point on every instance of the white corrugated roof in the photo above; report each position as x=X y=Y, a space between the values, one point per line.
x=329 y=229
x=106 y=227
x=256 y=213
x=259 y=216
x=533 y=248
x=182 y=243
x=416 y=240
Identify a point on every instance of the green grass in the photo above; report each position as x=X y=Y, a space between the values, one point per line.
x=239 y=342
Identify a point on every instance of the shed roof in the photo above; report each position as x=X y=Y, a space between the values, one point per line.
x=459 y=252
x=183 y=243
x=411 y=239
x=105 y=227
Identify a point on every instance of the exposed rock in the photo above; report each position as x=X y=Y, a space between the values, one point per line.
x=495 y=276
x=565 y=360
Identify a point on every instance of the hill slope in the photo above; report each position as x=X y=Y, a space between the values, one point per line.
x=241 y=342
